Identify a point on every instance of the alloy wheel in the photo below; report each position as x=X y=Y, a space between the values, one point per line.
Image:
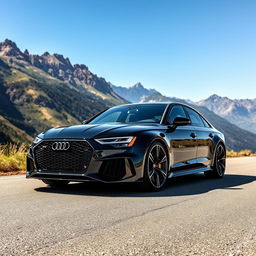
x=157 y=166
x=220 y=160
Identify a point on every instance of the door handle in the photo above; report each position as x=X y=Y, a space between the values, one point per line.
x=193 y=135
x=211 y=135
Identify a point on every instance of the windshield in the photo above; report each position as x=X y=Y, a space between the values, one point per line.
x=148 y=113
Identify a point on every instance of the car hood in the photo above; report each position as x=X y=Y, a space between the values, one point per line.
x=89 y=131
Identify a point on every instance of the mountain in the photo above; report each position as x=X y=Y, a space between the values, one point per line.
x=134 y=93
x=42 y=91
x=39 y=92
x=236 y=138
x=57 y=66
x=241 y=112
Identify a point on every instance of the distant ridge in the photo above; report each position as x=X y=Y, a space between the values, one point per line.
x=134 y=93
x=241 y=112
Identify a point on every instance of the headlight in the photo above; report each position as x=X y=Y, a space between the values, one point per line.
x=36 y=140
x=118 y=141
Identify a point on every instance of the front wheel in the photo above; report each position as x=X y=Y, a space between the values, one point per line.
x=156 y=167
x=218 y=169
x=56 y=183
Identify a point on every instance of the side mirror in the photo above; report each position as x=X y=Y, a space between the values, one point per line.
x=84 y=122
x=179 y=121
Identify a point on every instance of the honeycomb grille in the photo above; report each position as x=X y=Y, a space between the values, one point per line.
x=75 y=160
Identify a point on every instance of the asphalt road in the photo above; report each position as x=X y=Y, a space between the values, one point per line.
x=192 y=216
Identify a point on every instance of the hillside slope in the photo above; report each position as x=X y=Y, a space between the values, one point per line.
x=32 y=101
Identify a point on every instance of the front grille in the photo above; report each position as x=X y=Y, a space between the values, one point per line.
x=74 y=160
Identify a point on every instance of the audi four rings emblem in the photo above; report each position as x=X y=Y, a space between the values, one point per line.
x=60 y=145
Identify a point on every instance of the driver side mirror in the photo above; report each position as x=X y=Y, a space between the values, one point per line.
x=180 y=121
x=84 y=122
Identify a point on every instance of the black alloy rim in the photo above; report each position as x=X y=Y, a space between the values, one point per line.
x=157 y=166
x=220 y=160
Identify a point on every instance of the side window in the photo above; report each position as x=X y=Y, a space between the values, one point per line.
x=205 y=123
x=176 y=111
x=195 y=118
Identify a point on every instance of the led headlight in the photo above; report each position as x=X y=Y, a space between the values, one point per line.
x=118 y=141
x=36 y=140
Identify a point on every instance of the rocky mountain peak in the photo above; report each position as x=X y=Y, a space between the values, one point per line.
x=59 y=67
x=26 y=52
x=138 y=86
x=80 y=66
x=135 y=93
x=9 y=43
x=10 y=49
x=239 y=111
x=45 y=54
x=214 y=96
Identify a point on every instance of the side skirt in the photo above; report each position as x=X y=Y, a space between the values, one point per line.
x=188 y=172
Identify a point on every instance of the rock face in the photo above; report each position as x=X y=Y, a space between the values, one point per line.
x=60 y=67
x=134 y=93
x=241 y=112
x=10 y=49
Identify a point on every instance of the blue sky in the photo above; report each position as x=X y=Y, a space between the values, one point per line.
x=184 y=48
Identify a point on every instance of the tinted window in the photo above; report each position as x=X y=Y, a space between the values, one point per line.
x=205 y=123
x=195 y=118
x=148 y=113
x=176 y=111
x=112 y=117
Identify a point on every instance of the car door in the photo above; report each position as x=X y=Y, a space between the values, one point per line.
x=183 y=145
x=204 y=137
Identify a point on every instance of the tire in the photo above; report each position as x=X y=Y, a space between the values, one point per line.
x=218 y=169
x=56 y=183
x=156 y=167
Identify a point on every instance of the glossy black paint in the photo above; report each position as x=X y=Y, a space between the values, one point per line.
x=190 y=148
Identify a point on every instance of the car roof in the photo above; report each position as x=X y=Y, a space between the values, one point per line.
x=153 y=103
x=146 y=103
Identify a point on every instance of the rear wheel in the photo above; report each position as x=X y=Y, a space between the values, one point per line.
x=56 y=183
x=219 y=166
x=156 y=167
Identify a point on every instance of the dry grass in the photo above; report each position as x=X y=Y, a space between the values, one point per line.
x=245 y=152
x=12 y=159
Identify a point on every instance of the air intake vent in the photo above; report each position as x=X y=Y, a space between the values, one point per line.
x=112 y=170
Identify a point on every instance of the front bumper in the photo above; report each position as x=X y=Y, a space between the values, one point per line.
x=107 y=164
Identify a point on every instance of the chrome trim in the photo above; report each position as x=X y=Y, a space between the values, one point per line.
x=60 y=145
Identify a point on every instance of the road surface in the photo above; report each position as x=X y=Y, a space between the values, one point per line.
x=192 y=216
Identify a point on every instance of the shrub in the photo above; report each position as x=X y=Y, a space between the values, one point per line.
x=12 y=158
x=245 y=152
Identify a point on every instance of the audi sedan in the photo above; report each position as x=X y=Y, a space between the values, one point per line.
x=146 y=143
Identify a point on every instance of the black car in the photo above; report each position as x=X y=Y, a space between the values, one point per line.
x=147 y=143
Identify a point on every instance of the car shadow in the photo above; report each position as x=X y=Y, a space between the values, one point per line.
x=180 y=186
